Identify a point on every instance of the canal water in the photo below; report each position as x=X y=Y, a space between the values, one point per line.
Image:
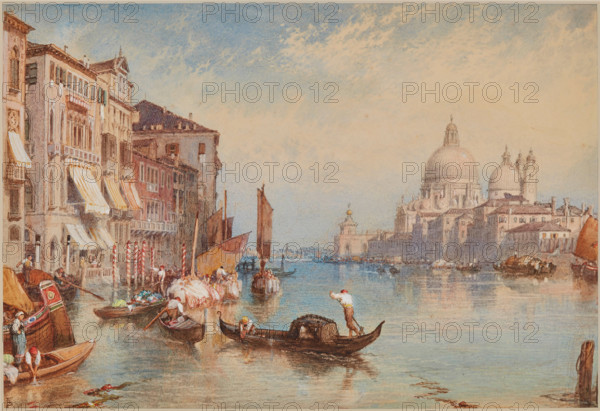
x=448 y=337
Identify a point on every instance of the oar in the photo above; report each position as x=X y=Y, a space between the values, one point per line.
x=362 y=329
x=83 y=289
x=155 y=318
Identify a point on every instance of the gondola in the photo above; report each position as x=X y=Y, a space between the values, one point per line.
x=310 y=333
x=475 y=268
x=279 y=273
x=109 y=312
x=188 y=331
x=57 y=362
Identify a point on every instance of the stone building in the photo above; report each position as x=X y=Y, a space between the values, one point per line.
x=65 y=101
x=184 y=141
x=349 y=243
x=17 y=239
x=116 y=119
x=514 y=180
x=543 y=237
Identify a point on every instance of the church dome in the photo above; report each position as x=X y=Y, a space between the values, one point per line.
x=451 y=163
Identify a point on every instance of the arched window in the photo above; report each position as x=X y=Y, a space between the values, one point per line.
x=52 y=194
x=28 y=196
x=14 y=68
x=14 y=234
x=27 y=139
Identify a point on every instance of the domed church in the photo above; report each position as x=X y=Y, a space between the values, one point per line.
x=450 y=179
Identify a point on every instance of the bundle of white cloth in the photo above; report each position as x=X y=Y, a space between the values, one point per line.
x=270 y=285
x=193 y=293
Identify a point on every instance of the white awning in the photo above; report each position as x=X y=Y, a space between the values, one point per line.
x=18 y=151
x=79 y=235
x=89 y=189
x=102 y=237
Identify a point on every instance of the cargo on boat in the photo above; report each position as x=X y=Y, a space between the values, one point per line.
x=525 y=265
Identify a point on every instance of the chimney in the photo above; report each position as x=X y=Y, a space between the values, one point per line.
x=190 y=117
x=65 y=48
x=164 y=109
x=567 y=212
x=553 y=205
x=583 y=206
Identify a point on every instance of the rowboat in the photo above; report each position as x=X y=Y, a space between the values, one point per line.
x=109 y=312
x=187 y=331
x=57 y=362
x=310 y=333
x=280 y=273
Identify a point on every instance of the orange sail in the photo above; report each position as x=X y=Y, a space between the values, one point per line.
x=214 y=228
x=587 y=242
x=226 y=254
x=264 y=222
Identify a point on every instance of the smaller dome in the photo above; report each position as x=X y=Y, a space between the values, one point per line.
x=506 y=179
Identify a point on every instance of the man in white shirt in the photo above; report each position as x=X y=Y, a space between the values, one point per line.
x=33 y=359
x=162 y=274
x=27 y=267
x=246 y=327
x=345 y=300
x=221 y=275
x=174 y=308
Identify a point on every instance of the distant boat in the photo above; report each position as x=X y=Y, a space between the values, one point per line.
x=525 y=265
x=110 y=312
x=442 y=264
x=587 y=249
x=280 y=272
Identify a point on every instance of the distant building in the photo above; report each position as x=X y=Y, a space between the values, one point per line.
x=544 y=237
x=184 y=141
x=514 y=180
x=350 y=243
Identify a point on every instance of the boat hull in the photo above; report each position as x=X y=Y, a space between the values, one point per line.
x=69 y=359
x=108 y=312
x=192 y=334
x=280 y=340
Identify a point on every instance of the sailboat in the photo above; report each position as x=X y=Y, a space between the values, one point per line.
x=587 y=249
x=264 y=282
x=225 y=251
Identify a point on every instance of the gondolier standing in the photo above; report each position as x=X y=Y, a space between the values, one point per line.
x=345 y=300
x=18 y=337
x=27 y=266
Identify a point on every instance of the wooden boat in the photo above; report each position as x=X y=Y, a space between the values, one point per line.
x=47 y=325
x=187 y=331
x=109 y=312
x=525 y=265
x=67 y=291
x=307 y=333
x=394 y=270
x=57 y=362
x=469 y=268
x=279 y=273
x=587 y=249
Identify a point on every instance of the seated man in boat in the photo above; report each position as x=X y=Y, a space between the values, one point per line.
x=345 y=300
x=19 y=340
x=59 y=275
x=33 y=359
x=175 y=308
x=246 y=327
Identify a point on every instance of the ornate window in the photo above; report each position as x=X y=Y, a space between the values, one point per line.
x=14 y=68
x=14 y=234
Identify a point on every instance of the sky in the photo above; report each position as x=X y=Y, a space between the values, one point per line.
x=524 y=78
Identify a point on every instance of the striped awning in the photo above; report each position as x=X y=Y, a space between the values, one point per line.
x=79 y=235
x=88 y=187
x=18 y=150
x=102 y=237
x=112 y=188
x=132 y=195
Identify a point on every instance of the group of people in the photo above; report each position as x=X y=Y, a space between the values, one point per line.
x=246 y=327
x=13 y=364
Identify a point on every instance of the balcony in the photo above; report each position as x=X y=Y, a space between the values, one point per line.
x=78 y=100
x=15 y=174
x=81 y=154
x=152 y=187
x=153 y=226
